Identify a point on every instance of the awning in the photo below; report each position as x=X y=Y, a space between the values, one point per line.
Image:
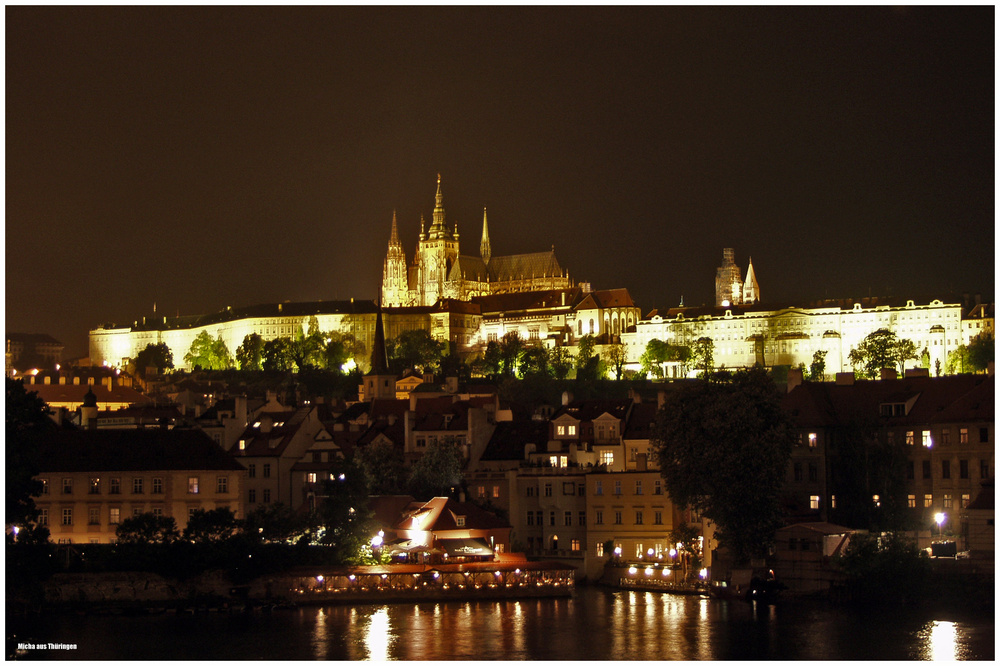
x=465 y=547
x=409 y=546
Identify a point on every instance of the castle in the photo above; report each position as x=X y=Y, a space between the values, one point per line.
x=730 y=289
x=439 y=270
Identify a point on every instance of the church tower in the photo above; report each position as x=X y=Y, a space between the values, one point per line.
x=484 y=245
x=394 y=282
x=438 y=253
x=379 y=383
x=751 y=290
x=728 y=283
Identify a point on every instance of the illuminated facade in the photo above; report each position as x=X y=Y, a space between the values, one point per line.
x=744 y=337
x=730 y=288
x=439 y=270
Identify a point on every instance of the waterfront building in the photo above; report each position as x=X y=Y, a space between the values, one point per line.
x=803 y=553
x=94 y=479
x=439 y=270
x=460 y=531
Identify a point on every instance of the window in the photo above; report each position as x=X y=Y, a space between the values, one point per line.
x=984 y=469
x=252 y=496
x=911 y=501
x=568 y=519
x=115 y=486
x=618 y=517
x=158 y=511
x=251 y=471
x=965 y=500
x=529 y=491
x=95 y=486
x=657 y=487
x=607 y=458
x=963 y=435
x=569 y=488
x=581 y=489
x=582 y=519
x=311 y=477
x=812 y=440
x=638 y=487
x=638 y=517
x=947 y=500
x=94 y=515
x=963 y=469
x=833 y=501
x=813 y=472
x=633 y=453
x=638 y=550
x=928 y=500
x=267 y=470
x=945 y=436
x=481 y=491
x=193 y=485
x=909 y=470
x=797 y=471
x=136 y=512
x=909 y=437
x=43 y=517
x=157 y=485
x=45 y=486
x=618 y=487
x=876 y=500
x=561 y=430
x=538 y=518
x=459 y=521
x=552 y=518
x=926 y=439
x=599 y=517
x=814 y=502
x=222 y=485
x=191 y=511
x=984 y=435
x=925 y=468
x=571 y=430
x=67 y=486
x=531 y=518
x=599 y=549
x=657 y=517
x=267 y=495
x=945 y=469
x=496 y=492
x=598 y=488
x=67 y=517
x=137 y=486
x=548 y=490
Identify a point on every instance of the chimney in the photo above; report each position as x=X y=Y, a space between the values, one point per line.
x=887 y=373
x=845 y=379
x=794 y=378
x=567 y=398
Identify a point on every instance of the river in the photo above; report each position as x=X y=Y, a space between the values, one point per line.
x=595 y=624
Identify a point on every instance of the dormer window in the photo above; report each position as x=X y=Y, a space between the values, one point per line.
x=460 y=521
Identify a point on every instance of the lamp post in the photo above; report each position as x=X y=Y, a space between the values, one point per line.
x=939 y=518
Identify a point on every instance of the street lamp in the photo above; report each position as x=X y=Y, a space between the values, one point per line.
x=939 y=518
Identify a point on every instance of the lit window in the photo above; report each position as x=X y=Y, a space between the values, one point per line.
x=193 y=485
x=560 y=430
x=95 y=486
x=600 y=549
x=909 y=437
x=911 y=501
x=814 y=502
x=243 y=445
x=571 y=430
x=926 y=439
x=311 y=477
x=928 y=500
x=965 y=500
x=963 y=436
x=607 y=458
x=496 y=492
x=947 y=500
x=812 y=440
x=45 y=486
x=554 y=461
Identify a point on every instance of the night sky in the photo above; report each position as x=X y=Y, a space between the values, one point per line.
x=205 y=157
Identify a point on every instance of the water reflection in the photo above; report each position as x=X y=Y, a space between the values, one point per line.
x=377 y=635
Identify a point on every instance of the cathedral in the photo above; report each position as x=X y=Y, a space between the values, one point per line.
x=439 y=270
x=730 y=288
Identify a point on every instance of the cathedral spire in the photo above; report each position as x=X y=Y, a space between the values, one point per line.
x=394 y=236
x=484 y=246
x=437 y=221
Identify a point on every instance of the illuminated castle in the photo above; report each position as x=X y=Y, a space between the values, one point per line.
x=730 y=288
x=439 y=270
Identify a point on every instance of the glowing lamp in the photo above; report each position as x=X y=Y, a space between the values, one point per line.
x=703 y=573
x=319 y=579
x=650 y=552
x=649 y=571
x=632 y=571
x=939 y=519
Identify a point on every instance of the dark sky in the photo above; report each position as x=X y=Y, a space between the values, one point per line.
x=205 y=157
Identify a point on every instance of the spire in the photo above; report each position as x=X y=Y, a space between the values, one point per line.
x=751 y=290
x=380 y=363
x=484 y=246
x=423 y=235
x=394 y=236
x=437 y=221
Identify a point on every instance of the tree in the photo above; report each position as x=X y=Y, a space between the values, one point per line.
x=981 y=352
x=511 y=348
x=346 y=523
x=588 y=363
x=535 y=362
x=147 y=528
x=341 y=349
x=309 y=348
x=437 y=471
x=274 y=523
x=957 y=361
x=617 y=355
x=278 y=355
x=881 y=349
x=156 y=356
x=208 y=354
x=211 y=526
x=560 y=362
x=817 y=369
x=883 y=568
x=491 y=364
x=250 y=354
x=27 y=418
x=723 y=447
x=657 y=352
x=703 y=356
x=383 y=466
x=414 y=349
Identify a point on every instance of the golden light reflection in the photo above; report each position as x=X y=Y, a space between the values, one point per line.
x=319 y=635
x=377 y=635
x=941 y=641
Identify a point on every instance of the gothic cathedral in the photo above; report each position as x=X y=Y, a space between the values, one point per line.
x=439 y=270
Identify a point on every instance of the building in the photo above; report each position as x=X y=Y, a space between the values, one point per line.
x=730 y=288
x=804 y=553
x=29 y=351
x=439 y=270
x=94 y=479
